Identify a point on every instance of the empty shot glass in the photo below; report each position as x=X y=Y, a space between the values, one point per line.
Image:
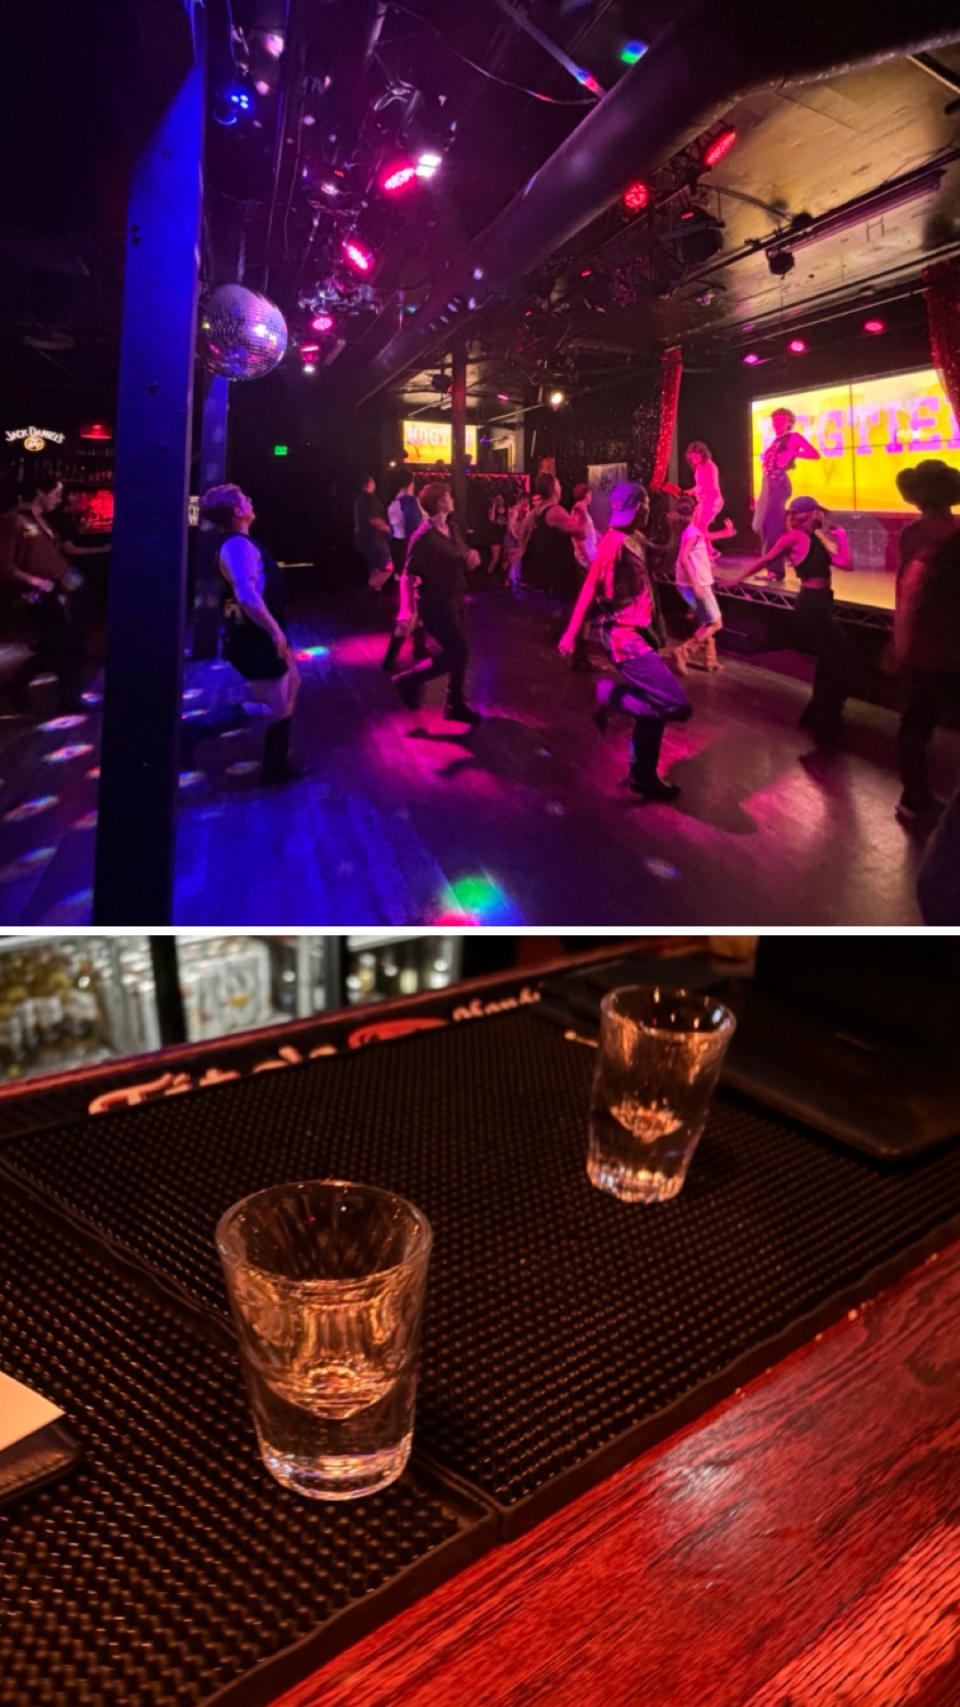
x=326 y=1283
x=657 y=1066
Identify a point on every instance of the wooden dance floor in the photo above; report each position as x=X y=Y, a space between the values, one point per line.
x=525 y=820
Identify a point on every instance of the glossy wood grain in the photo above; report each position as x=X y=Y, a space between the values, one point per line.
x=799 y=1547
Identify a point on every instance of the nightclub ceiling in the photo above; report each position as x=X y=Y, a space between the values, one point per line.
x=357 y=148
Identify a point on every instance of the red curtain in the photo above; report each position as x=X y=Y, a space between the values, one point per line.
x=671 y=373
x=942 y=290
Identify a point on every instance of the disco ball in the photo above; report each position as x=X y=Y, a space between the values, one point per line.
x=242 y=334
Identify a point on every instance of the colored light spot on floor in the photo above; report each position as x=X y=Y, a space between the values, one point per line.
x=30 y=808
x=87 y=822
x=193 y=693
x=63 y=755
x=23 y=867
x=243 y=767
x=190 y=779
x=93 y=775
x=313 y=652
x=556 y=809
x=92 y=698
x=57 y=723
x=662 y=868
x=477 y=900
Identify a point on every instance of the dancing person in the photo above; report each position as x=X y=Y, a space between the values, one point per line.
x=496 y=531
x=769 y=517
x=36 y=581
x=438 y=559
x=631 y=631
x=517 y=512
x=253 y=638
x=695 y=581
x=812 y=550
x=404 y=516
x=706 y=486
x=926 y=631
x=548 y=540
x=585 y=549
x=371 y=535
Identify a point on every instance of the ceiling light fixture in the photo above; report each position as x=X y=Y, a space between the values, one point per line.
x=719 y=147
x=636 y=196
x=874 y=326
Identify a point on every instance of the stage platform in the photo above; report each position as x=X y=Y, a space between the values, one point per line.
x=409 y=820
x=864 y=597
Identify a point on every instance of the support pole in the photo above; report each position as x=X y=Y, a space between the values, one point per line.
x=134 y=874
x=213 y=472
x=458 y=429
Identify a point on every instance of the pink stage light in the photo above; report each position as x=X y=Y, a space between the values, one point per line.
x=720 y=146
x=874 y=326
x=636 y=196
x=797 y=347
x=751 y=358
x=309 y=352
x=322 y=323
x=397 y=177
x=357 y=255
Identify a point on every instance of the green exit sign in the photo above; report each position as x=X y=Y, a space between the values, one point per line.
x=281 y=450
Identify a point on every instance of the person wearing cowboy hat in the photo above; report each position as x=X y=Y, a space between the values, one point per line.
x=813 y=551
x=631 y=631
x=926 y=626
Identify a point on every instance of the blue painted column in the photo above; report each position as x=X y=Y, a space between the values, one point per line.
x=136 y=832
x=213 y=472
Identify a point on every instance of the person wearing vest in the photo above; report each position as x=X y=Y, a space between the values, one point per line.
x=253 y=640
x=812 y=550
x=437 y=562
x=631 y=631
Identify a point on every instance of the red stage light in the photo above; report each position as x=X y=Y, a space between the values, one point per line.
x=797 y=347
x=874 y=326
x=751 y=358
x=96 y=430
x=322 y=322
x=398 y=176
x=636 y=196
x=357 y=255
x=720 y=146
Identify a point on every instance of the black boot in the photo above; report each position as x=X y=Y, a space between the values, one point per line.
x=276 y=763
x=458 y=711
x=393 y=651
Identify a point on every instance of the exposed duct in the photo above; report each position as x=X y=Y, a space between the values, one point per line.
x=709 y=58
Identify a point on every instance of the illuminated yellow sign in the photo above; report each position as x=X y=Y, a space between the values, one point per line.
x=431 y=441
x=34 y=438
x=865 y=433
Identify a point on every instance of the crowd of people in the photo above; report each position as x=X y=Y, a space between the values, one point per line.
x=540 y=544
x=534 y=542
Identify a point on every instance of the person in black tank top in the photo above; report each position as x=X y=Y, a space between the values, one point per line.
x=816 y=629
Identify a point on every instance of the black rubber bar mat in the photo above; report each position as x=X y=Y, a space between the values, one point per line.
x=564 y=1331
x=168 y=1568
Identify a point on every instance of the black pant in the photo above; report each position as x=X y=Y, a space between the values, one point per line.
x=927 y=696
x=445 y=625
x=398 y=552
x=59 y=648
x=817 y=630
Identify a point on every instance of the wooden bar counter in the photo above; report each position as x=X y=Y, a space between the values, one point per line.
x=798 y=1547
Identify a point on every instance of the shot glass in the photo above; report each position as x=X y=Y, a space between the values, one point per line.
x=326 y=1282
x=657 y=1066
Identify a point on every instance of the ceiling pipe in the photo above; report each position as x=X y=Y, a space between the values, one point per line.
x=709 y=58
